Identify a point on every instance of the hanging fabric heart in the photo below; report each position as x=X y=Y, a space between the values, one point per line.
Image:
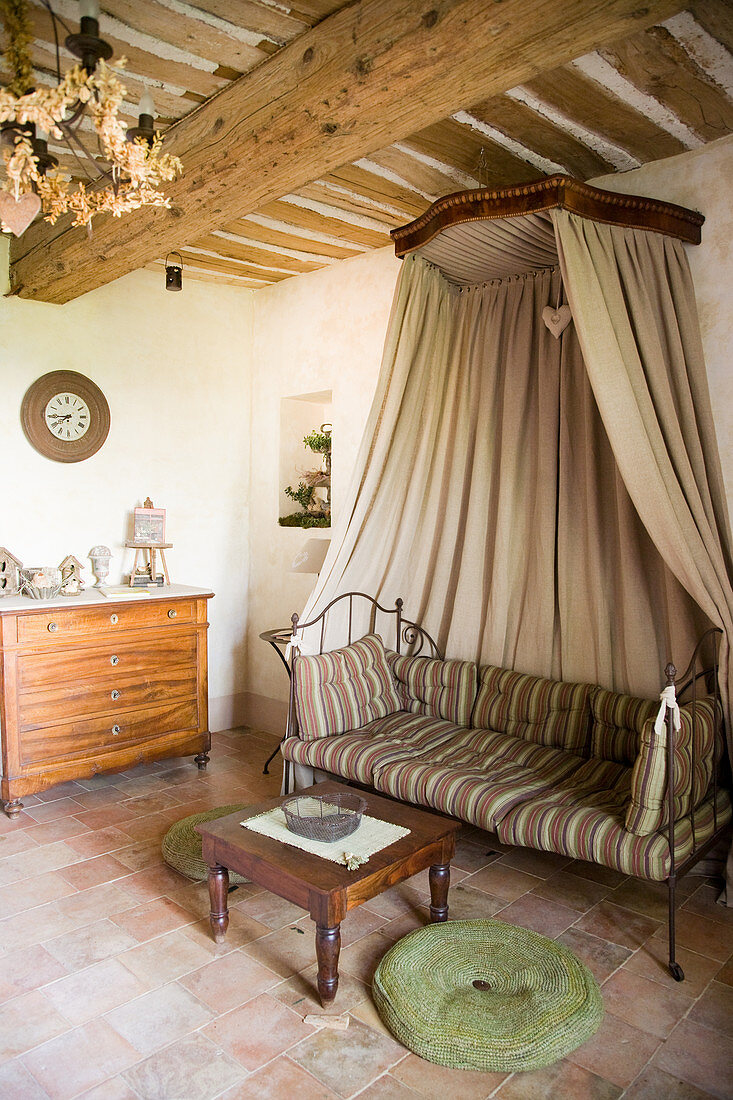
x=17 y=214
x=557 y=320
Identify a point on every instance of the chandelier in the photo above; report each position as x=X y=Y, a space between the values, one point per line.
x=124 y=171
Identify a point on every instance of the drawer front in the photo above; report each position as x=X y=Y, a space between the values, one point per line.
x=105 y=734
x=81 y=699
x=60 y=625
x=107 y=662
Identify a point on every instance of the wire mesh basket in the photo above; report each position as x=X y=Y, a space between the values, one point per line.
x=326 y=817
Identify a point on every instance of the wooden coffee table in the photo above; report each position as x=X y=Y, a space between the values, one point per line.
x=325 y=889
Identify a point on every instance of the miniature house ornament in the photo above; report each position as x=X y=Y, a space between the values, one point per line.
x=9 y=573
x=100 y=556
x=71 y=582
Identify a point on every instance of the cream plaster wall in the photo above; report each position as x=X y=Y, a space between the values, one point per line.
x=175 y=369
x=321 y=331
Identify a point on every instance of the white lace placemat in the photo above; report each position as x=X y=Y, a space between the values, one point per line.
x=371 y=836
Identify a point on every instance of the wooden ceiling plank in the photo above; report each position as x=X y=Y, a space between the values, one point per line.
x=315 y=10
x=334 y=195
x=279 y=26
x=426 y=179
x=233 y=250
x=363 y=78
x=460 y=147
x=200 y=275
x=186 y=33
x=374 y=186
x=212 y=263
x=524 y=125
x=267 y=235
x=310 y=219
x=656 y=64
x=585 y=101
x=715 y=17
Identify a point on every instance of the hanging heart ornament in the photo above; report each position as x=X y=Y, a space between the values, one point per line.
x=557 y=320
x=17 y=214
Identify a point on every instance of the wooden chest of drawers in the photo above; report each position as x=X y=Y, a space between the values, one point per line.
x=89 y=684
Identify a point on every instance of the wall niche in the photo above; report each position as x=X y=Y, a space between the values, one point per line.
x=305 y=471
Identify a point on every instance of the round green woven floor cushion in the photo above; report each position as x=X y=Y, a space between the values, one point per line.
x=182 y=844
x=481 y=994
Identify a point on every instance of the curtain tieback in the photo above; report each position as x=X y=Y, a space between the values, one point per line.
x=297 y=645
x=669 y=702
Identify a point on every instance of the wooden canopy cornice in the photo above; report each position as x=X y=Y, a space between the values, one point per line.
x=367 y=75
x=549 y=193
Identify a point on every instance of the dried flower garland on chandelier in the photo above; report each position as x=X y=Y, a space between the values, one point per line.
x=135 y=165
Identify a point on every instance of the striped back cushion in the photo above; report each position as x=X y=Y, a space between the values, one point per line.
x=547 y=712
x=344 y=689
x=618 y=721
x=648 y=808
x=440 y=689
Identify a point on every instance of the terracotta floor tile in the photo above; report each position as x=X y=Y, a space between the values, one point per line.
x=715 y=1009
x=362 y=958
x=617 y=1051
x=503 y=882
x=346 y=1061
x=725 y=974
x=35 y=926
x=61 y=790
x=700 y=1057
x=645 y=1004
x=93 y=872
x=223 y=984
x=290 y=949
x=114 y=1088
x=562 y=1081
x=705 y=936
x=16 y=1083
x=258 y=1031
x=472 y=857
x=165 y=959
x=90 y=905
x=366 y=1011
x=654 y=1084
x=396 y=901
x=651 y=962
x=27 y=1021
x=465 y=903
x=705 y=902
x=28 y=894
x=420 y=883
x=11 y=844
x=37 y=861
x=622 y=926
x=27 y=969
x=106 y=816
x=541 y=864
x=100 y=798
x=600 y=956
x=301 y=993
x=159 y=1017
x=596 y=873
x=193 y=1068
x=242 y=931
x=62 y=829
x=97 y=842
x=79 y=1060
x=49 y=811
x=280 y=1080
x=151 y=883
x=152 y=827
x=269 y=909
x=89 y=944
x=153 y=918
x=437 y=1082
x=545 y=917
x=140 y=855
x=649 y=898
x=93 y=991
x=572 y=891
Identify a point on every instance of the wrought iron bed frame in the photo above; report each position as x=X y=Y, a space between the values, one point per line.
x=416 y=639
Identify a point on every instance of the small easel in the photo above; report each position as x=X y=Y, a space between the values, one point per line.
x=149 y=550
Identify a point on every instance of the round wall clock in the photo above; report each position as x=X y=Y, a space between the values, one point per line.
x=65 y=416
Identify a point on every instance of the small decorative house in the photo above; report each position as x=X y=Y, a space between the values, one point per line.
x=71 y=582
x=9 y=573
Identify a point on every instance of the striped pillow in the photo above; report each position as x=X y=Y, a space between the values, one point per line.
x=343 y=690
x=548 y=712
x=441 y=689
x=648 y=808
x=618 y=721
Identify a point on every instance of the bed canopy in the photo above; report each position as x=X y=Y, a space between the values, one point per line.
x=539 y=477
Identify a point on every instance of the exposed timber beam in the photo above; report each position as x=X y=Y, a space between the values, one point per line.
x=368 y=75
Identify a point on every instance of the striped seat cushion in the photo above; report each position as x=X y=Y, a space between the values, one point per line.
x=477 y=776
x=548 y=712
x=648 y=808
x=343 y=690
x=356 y=755
x=594 y=830
x=443 y=689
x=618 y=721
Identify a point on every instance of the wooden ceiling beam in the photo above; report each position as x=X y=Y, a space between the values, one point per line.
x=368 y=75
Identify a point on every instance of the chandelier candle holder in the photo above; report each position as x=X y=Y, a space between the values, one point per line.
x=132 y=167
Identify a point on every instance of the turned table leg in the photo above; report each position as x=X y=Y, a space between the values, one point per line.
x=328 y=946
x=218 y=890
x=439 y=878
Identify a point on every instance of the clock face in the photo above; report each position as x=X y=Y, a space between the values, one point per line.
x=67 y=416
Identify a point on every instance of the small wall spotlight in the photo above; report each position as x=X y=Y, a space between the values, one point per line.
x=173 y=272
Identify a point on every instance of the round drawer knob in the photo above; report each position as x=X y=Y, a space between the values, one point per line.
x=114 y=660
x=172 y=613
x=116 y=730
x=115 y=694
x=114 y=619
x=53 y=627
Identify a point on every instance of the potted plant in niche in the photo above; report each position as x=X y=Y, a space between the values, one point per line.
x=313 y=493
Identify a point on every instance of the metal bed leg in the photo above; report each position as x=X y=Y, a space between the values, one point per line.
x=674 y=967
x=271 y=757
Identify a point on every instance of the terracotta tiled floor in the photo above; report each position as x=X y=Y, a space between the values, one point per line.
x=112 y=988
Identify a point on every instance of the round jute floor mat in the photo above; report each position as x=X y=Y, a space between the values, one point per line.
x=182 y=845
x=481 y=994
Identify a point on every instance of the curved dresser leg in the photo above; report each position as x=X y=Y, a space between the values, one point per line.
x=13 y=807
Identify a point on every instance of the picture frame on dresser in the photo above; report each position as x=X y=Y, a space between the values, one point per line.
x=90 y=685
